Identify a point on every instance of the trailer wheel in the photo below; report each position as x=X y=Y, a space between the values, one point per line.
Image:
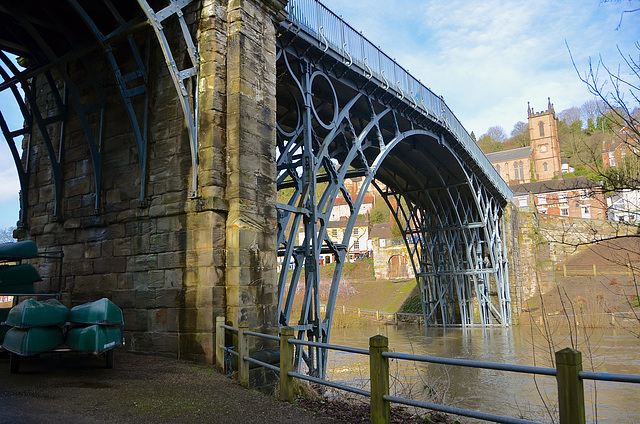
x=14 y=363
x=109 y=356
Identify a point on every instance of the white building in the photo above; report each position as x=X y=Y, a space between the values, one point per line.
x=624 y=206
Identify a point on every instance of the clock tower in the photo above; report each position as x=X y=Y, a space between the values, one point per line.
x=545 y=147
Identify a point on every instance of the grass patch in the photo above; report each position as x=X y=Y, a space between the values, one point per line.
x=413 y=305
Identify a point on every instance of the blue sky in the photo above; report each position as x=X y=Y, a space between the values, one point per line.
x=486 y=58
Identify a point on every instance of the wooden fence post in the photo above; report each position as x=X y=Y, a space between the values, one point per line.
x=570 y=387
x=595 y=273
x=286 y=364
x=358 y=312
x=220 y=332
x=243 y=350
x=564 y=270
x=379 y=369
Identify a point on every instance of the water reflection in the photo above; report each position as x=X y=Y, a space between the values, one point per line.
x=498 y=392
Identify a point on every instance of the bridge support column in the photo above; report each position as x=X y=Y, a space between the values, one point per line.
x=251 y=286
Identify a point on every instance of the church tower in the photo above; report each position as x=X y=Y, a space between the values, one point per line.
x=545 y=147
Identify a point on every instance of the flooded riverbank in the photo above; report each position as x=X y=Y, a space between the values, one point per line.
x=498 y=392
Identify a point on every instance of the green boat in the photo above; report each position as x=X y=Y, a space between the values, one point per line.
x=96 y=339
x=32 y=341
x=101 y=311
x=18 y=251
x=33 y=313
x=11 y=275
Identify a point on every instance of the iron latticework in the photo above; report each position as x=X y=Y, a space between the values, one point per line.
x=346 y=110
x=60 y=53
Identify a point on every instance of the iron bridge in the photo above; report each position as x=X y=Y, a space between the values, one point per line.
x=345 y=110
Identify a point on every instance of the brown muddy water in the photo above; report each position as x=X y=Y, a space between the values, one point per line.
x=498 y=392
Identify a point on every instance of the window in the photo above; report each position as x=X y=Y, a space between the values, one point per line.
x=383 y=242
x=542 y=199
x=356 y=245
x=498 y=168
x=562 y=197
x=355 y=231
x=543 y=210
x=334 y=232
x=516 y=171
x=584 y=195
x=586 y=212
x=522 y=202
x=521 y=170
x=541 y=127
x=544 y=165
x=564 y=211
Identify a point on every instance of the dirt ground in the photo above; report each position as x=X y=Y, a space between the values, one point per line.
x=582 y=293
x=76 y=388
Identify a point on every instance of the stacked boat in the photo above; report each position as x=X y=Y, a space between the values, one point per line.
x=35 y=327
x=40 y=326
x=96 y=327
x=16 y=278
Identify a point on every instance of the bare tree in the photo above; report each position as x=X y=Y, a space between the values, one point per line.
x=618 y=91
x=497 y=133
x=6 y=235
x=520 y=134
x=571 y=115
x=591 y=110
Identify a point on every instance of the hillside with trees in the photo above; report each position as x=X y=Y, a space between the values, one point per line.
x=581 y=132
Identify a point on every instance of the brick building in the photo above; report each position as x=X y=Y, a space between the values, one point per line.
x=574 y=197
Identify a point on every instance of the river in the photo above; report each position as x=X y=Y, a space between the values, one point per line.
x=497 y=392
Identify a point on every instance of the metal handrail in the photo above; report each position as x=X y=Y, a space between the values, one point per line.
x=330 y=384
x=332 y=32
x=329 y=346
x=458 y=411
x=583 y=375
x=471 y=363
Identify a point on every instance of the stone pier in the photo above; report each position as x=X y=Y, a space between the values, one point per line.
x=173 y=260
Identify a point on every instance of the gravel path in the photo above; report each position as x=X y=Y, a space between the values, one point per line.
x=76 y=388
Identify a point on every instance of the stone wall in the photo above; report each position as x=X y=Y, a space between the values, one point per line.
x=537 y=242
x=172 y=262
x=382 y=255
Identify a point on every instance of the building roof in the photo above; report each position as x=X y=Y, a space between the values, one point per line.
x=566 y=184
x=381 y=230
x=511 y=154
x=360 y=222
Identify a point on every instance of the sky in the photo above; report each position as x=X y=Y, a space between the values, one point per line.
x=486 y=58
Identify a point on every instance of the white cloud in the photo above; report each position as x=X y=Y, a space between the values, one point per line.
x=9 y=184
x=489 y=58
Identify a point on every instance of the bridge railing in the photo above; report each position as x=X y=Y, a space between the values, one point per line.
x=569 y=374
x=332 y=32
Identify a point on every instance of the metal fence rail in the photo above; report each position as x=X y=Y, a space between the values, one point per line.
x=332 y=32
x=569 y=374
